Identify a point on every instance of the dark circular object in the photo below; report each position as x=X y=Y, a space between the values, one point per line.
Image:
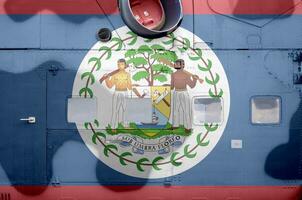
x=173 y=17
x=104 y=34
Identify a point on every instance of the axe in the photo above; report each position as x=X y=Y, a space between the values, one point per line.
x=170 y=64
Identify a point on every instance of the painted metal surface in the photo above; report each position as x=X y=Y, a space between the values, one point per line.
x=39 y=58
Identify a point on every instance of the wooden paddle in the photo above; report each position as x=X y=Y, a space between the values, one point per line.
x=136 y=92
x=110 y=74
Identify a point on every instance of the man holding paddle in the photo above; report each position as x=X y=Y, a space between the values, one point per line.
x=121 y=80
x=181 y=99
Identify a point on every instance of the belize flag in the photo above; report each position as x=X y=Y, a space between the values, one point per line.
x=208 y=109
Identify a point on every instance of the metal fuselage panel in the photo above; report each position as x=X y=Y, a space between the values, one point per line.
x=38 y=66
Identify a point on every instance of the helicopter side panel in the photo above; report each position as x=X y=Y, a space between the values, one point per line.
x=20 y=32
x=242 y=67
x=254 y=51
x=231 y=25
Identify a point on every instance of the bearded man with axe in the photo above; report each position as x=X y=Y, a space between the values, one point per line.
x=181 y=99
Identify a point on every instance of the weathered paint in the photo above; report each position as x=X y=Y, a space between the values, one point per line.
x=254 y=52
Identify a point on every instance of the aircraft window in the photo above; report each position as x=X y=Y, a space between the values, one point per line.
x=81 y=110
x=266 y=110
x=207 y=110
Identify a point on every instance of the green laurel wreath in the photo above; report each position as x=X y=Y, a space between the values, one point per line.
x=125 y=157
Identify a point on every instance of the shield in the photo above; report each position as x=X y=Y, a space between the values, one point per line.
x=148 y=112
x=161 y=98
x=149 y=107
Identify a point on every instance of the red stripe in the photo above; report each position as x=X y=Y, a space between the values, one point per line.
x=153 y=192
x=57 y=7
x=261 y=7
x=248 y=7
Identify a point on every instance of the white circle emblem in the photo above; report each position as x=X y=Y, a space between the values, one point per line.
x=143 y=117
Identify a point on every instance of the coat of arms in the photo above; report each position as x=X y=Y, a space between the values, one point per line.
x=146 y=92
